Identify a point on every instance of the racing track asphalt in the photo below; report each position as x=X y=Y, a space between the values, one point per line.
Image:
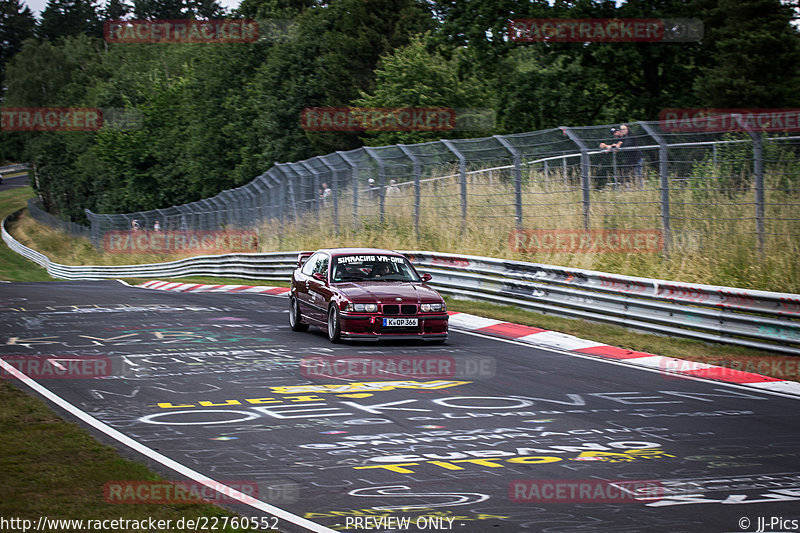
x=214 y=382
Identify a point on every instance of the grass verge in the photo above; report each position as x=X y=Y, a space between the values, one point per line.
x=55 y=469
x=14 y=267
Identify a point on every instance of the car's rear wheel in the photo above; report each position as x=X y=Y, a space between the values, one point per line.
x=295 y=319
x=334 y=329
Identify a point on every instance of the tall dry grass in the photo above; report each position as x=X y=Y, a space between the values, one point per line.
x=713 y=231
x=713 y=228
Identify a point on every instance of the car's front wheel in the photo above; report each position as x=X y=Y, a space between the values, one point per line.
x=334 y=329
x=295 y=320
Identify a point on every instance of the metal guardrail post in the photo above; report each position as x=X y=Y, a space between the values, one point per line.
x=758 y=177
x=289 y=188
x=280 y=193
x=354 y=180
x=210 y=218
x=334 y=192
x=216 y=214
x=235 y=207
x=316 y=201
x=462 y=176
x=192 y=210
x=417 y=192
x=381 y=180
x=663 y=169
x=162 y=220
x=250 y=218
x=517 y=177
x=93 y=225
x=258 y=206
x=585 y=174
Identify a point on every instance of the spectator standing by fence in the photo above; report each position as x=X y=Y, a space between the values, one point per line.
x=631 y=156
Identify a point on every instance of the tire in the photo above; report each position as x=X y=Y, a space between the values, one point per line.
x=334 y=329
x=295 y=319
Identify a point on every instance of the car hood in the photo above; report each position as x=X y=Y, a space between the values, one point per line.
x=387 y=291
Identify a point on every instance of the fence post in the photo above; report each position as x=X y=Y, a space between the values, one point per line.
x=250 y=198
x=280 y=195
x=354 y=179
x=517 y=177
x=258 y=205
x=280 y=199
x=93 y=227
x=334 y=192
x=585 y=172
x=315 y=201
x=663 y=176
x=381 y=180
x=462 y=174
x=758 y=177
x=417 y=171
x=289 y=188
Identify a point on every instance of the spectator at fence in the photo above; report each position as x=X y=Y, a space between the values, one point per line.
x=135 y=224
x=156 y=226
x=631 y=156
x=324 y=193
x=392 y=189
x=372 y=189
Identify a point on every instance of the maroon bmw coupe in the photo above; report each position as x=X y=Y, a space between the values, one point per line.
x=365 y=294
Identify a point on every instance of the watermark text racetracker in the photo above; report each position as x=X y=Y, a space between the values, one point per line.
x=778 y=367
x=69 y=119
x=181 y=31
x=399 y=367
x=625 y=241
x=138 y=241
x=192 y=492
x=27 y=367
x=396 y=119
x=583 y=490
x=609 y=30
x=695 y=120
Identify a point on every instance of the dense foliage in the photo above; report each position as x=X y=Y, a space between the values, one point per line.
x=213 y=116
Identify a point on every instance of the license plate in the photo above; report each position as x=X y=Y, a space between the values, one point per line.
x=389 y=322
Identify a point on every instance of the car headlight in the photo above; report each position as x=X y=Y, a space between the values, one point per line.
x=435 y=308
x=362 y=308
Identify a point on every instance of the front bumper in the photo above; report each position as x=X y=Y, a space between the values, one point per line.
x=365 y=326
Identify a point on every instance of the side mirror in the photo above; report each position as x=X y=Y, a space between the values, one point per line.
x=319 y=276
x=426 y=277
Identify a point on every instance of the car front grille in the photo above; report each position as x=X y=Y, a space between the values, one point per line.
x=405 y=309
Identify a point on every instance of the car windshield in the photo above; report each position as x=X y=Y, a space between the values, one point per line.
x=370 y=267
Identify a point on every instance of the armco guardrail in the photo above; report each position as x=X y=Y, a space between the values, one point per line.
x=756 y=319
x=274 y=266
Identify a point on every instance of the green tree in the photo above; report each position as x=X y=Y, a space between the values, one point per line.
x=115 y=10
x=177 y=9
x=330 y=61
x=63 y=18
x=420 y=76
x=752 y=55
x=16 y=25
